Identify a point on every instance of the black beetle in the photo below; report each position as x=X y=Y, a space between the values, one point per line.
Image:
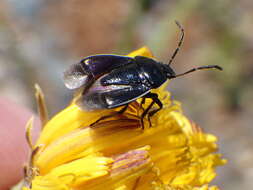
x=110 y=81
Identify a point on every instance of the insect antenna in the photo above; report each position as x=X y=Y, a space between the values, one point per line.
x=207 y=67
x=179 y=43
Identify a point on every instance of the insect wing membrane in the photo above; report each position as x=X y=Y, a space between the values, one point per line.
x=75 y=76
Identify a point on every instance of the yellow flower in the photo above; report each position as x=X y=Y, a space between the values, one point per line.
x=117 y=154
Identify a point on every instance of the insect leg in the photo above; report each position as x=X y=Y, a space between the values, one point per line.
x=156 y=100
x=123 y=109
x=159 y=103
x=111 y=115
x=145 y=113
x=142 y=103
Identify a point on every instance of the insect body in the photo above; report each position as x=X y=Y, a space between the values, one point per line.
x=125 y=84
x=110 y=81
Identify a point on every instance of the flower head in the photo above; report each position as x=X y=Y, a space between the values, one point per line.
x=116 y=153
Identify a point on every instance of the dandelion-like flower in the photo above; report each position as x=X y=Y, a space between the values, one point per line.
x=117 y=154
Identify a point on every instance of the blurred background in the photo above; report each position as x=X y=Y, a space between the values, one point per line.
x=40 y=38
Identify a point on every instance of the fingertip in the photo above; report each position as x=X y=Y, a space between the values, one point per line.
x=14 y=148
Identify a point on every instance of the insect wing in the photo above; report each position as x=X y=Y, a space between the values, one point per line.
x=75 y=76
x=104 y=97
x=99 y=65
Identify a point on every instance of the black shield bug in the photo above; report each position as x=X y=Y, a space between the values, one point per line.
x=110 y=81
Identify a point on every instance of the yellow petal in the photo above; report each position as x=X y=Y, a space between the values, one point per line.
x=144 y=51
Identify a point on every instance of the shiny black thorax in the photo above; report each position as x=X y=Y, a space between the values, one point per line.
x=141 y=71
